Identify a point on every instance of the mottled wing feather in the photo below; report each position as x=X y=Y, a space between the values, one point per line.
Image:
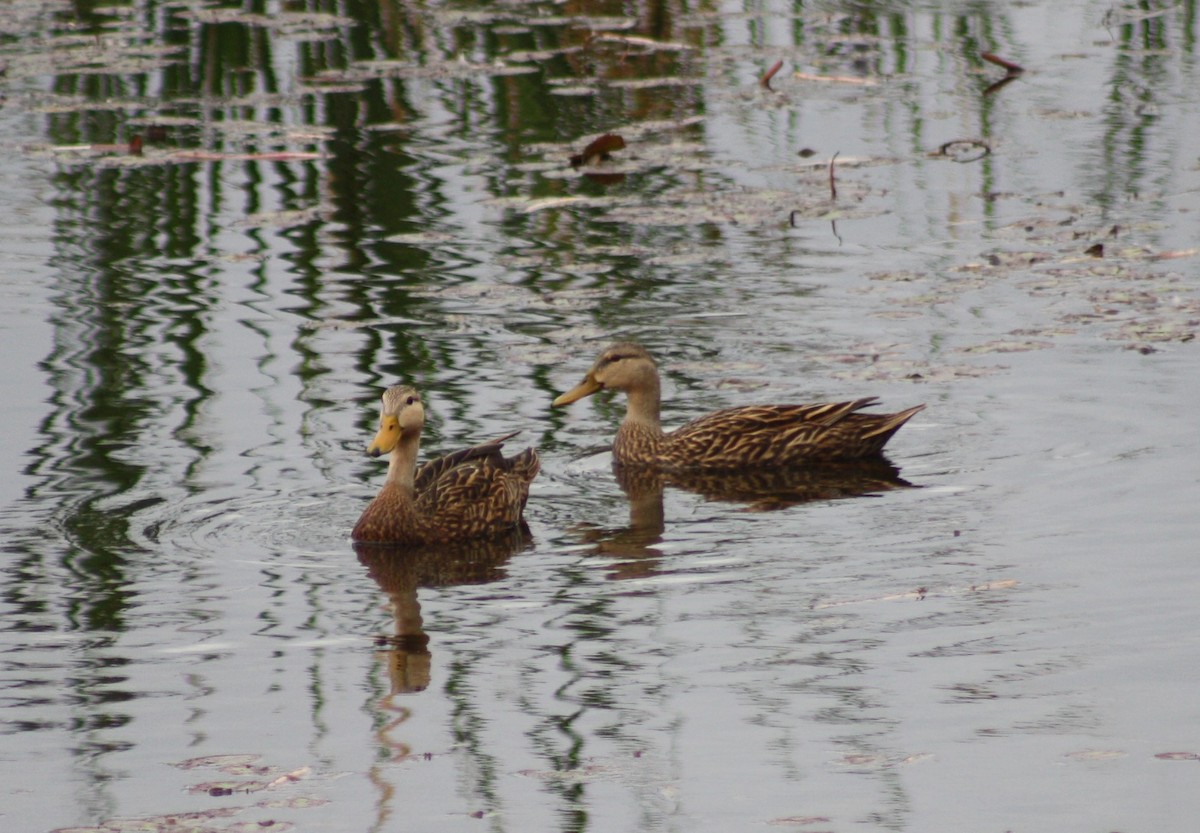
x=428 y=472
x=759 y=435
x=475 y=492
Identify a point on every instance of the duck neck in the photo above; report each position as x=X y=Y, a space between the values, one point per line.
x=640 y=436
x=402 y=462
x=642 y=409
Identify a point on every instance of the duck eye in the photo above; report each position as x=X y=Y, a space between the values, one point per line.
x=411 y=400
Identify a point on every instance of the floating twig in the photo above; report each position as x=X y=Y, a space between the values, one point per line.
x=832 y=182
x=133 y=147
x=1009 y=66
x=1011 y=72
x=992 y=89
x=835 y=79
x=634 y=40
x=765 y=81
x=199 y=155
x=1172 y=255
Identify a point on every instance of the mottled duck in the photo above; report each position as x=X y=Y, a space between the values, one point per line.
x=469 y=494
x=734 y=438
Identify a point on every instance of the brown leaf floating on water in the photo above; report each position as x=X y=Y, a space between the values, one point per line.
x=598 y=150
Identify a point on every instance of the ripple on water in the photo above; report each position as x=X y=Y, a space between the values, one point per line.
x=238 y=522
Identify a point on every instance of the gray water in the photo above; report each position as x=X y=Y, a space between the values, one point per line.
x=332 y=198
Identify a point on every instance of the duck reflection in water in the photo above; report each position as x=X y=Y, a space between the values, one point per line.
x=399 y=571
x=762 y=490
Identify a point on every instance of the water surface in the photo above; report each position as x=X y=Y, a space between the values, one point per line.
x=331 y=198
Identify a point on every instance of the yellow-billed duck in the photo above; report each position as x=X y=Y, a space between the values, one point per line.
x=734 y=438
x=471 y=493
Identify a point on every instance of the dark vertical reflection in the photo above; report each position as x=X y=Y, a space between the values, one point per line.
x=143 y=254
x=1150 y=49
